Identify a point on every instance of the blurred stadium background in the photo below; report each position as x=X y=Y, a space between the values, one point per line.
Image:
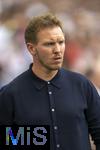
x=81 y=20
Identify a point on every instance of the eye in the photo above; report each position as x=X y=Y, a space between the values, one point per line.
x=61 y=42
x=49 y=44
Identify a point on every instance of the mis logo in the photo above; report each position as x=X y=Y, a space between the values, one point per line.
x=26 y=136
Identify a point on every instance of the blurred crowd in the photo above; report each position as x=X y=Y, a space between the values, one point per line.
x=81 y=20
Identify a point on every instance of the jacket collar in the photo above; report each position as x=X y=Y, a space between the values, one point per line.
x=40 y=83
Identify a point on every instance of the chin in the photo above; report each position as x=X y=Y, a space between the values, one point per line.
x=56 y=67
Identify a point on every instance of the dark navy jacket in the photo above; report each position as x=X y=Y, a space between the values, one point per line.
x=69 y=103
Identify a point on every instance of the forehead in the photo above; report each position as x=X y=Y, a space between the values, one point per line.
x=50 y=34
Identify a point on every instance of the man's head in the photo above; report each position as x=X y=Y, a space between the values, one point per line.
x=39 y=23
x=46 y=42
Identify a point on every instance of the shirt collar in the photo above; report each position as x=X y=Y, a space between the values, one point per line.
x=56 y=81
x=40 y=83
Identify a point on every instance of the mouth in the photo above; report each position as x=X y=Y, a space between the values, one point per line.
x=57 y=59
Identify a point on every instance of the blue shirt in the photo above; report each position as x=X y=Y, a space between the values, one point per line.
x=69 y=103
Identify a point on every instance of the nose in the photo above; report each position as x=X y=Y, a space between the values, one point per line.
x=57 y=48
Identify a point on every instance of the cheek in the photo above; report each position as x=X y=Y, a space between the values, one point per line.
x=63 y=49
x=44 y=55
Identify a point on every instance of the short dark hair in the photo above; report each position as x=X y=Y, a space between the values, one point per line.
x=38 y=23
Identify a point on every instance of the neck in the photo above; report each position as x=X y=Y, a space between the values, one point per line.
x=43 y=73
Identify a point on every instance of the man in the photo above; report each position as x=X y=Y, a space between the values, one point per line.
x=47 y=94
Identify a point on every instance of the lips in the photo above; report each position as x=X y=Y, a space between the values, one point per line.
x=57 y=58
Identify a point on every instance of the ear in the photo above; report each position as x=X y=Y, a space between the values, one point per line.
x=31 y=48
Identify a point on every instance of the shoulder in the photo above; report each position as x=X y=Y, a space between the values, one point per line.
x=73 y=76
x=78 y=81
x=17 y=83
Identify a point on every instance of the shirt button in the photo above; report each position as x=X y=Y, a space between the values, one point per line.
x=55 y=127
x=48 y=82
x=58 y=145
x=50 y=92
x=53 y=109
